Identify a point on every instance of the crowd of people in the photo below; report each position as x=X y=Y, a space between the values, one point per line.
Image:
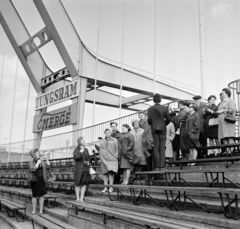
x=159 y=134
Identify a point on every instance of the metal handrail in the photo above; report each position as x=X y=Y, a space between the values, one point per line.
x=147 y=73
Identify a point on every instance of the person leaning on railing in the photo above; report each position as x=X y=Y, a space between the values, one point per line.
x=38 y=165
x=226 y=119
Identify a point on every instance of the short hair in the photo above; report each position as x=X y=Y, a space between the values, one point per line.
x=227 y=91
x=127 y=126
x=111 y=123
x=106 y=130
x=142 y=112
x=186 y=103
x=194 y=105
x=211 y=96
x=134 y=120
x=99 y=138
x=181 y=102
x=157 y=98
x=79 y=138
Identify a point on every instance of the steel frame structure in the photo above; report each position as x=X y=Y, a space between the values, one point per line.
x=79 y=62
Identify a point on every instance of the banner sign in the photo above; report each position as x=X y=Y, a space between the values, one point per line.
x=62 y=117
x=57 y=95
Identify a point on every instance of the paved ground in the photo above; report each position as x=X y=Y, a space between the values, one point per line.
x=4 y=225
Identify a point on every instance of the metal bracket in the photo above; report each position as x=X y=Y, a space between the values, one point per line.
x=36 y=42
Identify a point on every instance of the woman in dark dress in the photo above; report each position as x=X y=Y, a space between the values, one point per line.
x=38 y=166
x=126 y=152
x=212 y=131
x=82 y=176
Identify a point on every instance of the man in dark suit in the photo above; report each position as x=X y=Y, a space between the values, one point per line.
x=158 y=118
x=202 y=137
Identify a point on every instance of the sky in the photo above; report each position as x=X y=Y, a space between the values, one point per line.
x=177 y=49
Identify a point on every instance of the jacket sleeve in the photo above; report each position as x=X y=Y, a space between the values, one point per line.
x=172 y=133
x=87 y=154
x=149 y=139
x=195 y=124
x=232 y=105
x=116 y=148
x=149 y=117
x=131 y=141
x=183 y=117
x=32 y=167
x=77 y=155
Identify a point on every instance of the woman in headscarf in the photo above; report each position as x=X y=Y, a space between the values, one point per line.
x=82 y=175
x=38 y=165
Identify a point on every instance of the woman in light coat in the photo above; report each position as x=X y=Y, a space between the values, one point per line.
x=108 y=150
x=137 y=133
x=170 y=135
x=226 y=130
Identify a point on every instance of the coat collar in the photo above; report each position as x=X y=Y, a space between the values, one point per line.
x=143 y=121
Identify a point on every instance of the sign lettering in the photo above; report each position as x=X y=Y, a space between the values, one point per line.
x=58 y=95
x=62 y=117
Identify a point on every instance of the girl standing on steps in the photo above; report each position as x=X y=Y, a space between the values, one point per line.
x=82 y=175
x=38 y=166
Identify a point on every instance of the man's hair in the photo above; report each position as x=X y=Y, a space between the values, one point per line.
x=99 y=138
x=211 y=96
x=227 y=91
x=113 y=123
x=181 y=102
x=186 y=103
x=157 y=98
x=142 y=112
x=106 y=130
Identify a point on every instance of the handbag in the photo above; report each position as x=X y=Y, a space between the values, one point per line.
x=230 y=116
x=213 y=122
x=92 y=171
x=32 y=178
x=230 y=119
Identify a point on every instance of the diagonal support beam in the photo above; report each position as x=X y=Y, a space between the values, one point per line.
x=57 y=36
x=17 y=34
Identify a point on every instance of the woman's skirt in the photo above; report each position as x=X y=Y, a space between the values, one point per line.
x=82 y=176
x=125 y=164
x=38 y=188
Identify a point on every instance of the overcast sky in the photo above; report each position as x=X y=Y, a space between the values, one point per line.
x=178 y=56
